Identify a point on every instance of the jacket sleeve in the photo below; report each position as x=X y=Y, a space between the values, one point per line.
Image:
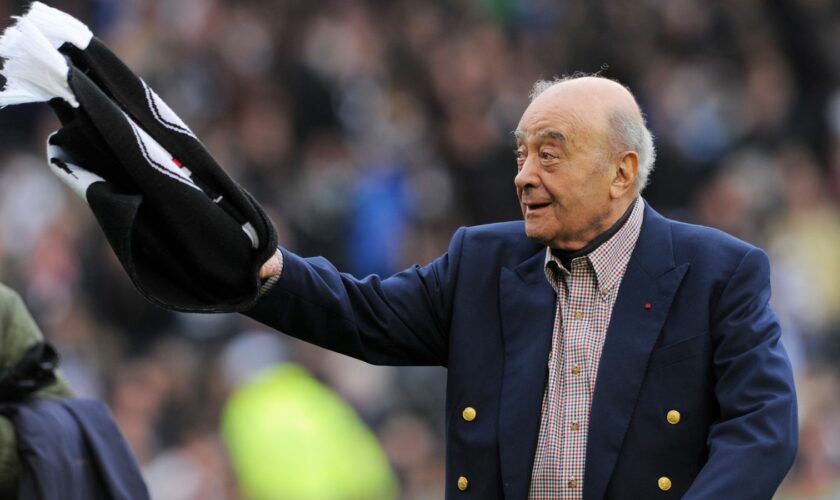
x=18 y=332
x=401 y=320
x=753 y=443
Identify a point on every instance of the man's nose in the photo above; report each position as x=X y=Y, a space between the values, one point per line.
x=527 y=175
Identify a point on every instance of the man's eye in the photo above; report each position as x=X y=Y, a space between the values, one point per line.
x=519 y=154
x=547 y=156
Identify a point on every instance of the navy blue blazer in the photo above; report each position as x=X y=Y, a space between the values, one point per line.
x=708 y=346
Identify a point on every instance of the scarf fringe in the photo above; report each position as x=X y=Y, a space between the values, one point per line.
x=59 y=27
x=34 y=70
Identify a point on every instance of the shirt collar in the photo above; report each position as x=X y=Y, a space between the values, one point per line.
x=608 y=260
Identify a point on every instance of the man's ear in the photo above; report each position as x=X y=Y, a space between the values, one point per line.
x=625 y=174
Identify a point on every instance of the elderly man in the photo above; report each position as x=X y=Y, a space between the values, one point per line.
x=597 y=350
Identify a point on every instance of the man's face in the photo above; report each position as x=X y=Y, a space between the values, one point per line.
x=563 y=179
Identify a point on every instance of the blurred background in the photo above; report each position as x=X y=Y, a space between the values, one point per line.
x=371 y=130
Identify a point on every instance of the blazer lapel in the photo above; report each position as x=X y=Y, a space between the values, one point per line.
x=645 y=295
x=527 y=315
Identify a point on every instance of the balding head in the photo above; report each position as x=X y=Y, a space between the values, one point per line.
x=604 y=103
x=583 y=155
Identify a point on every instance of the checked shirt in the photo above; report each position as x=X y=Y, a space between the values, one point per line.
x=586 y=294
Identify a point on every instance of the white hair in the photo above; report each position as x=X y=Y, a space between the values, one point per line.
x=628 y=132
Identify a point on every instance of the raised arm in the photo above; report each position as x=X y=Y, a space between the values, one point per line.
x=401 y=320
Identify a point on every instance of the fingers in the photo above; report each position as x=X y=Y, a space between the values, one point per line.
x=272 y=267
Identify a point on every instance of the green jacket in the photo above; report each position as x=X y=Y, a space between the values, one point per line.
x=18 y=331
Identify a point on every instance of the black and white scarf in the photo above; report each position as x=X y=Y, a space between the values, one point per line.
x=190 y=238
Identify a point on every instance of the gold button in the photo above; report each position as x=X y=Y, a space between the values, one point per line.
x=664 y=483
x=469 y=413
x=673 y=417
x=575 y=426
x=575 y=370
x=572 y=484
x=605 y=292
x=463 y=483
x=578 y=315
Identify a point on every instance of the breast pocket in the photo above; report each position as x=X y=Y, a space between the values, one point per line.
x=680 y=351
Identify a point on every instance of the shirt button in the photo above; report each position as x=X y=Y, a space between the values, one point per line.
x=673 y=417
x=605 y=292
x=463 y=483
x=469 y=414
x=575 y=370
x=664 y=483
x=578 y=315
x=572 y=484
x=575 y=426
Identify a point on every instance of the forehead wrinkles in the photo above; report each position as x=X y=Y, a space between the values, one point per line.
x=560 y=131
x=585 y=128
x=556 y=114
x=542 y=133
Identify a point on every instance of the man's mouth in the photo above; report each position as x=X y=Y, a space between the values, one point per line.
x=533 y=207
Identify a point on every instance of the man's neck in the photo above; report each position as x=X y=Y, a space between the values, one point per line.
x=567 y=256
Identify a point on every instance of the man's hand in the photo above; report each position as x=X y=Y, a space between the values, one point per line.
x=272 y=267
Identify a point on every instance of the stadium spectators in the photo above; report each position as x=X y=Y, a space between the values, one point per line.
x=354 y=121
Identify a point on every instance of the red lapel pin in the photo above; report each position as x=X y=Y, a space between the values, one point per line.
x=647 y=306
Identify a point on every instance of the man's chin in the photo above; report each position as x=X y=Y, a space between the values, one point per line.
x=536 y=235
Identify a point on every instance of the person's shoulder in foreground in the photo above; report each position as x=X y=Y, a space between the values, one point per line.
x=18 y=332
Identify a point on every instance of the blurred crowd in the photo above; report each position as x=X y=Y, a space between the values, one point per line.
x=370 y=130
